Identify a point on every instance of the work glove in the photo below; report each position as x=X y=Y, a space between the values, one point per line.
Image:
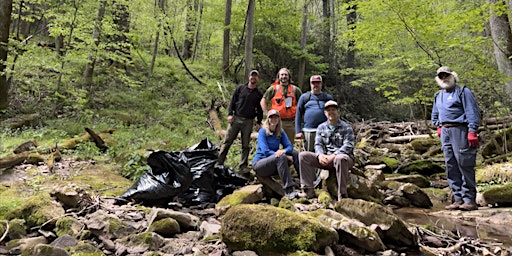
x=439 y=128
x=473 y=139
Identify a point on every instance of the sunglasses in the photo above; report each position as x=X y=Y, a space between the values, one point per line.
x=443 y=75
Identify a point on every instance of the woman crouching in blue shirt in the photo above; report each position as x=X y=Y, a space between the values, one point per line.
x=269 y=159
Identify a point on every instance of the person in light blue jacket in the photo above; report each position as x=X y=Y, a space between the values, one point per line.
x=456 y=115
x=310 y=112
x=270 y=159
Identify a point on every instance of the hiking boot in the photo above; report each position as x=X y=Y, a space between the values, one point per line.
x=468 y=206
x=290 y=193
x=454 y=206
x=308 y=193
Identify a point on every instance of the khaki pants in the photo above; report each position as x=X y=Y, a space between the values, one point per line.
x=308 y=161
x=289 y=129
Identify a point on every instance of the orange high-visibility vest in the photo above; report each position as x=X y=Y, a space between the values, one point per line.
x=278 y=101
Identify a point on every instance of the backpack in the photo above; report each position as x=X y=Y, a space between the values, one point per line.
x=480 y=112
x=321 y=97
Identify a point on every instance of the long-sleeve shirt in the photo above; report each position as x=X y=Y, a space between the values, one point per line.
x=245 y=102
x=310 y=113
x=335 y=139
x=456 y=107
x=269 y=144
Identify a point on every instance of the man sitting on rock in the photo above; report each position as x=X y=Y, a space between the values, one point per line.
x=334 y=145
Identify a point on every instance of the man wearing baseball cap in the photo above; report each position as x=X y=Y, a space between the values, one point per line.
x=244 y=107
x=334 y=146
x=310 y=112
x=456 y=115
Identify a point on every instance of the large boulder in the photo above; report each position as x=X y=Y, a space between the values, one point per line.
x=498 y=195
x=268 y=229
x=392 y=230
x=351 y=231
x=416 y=195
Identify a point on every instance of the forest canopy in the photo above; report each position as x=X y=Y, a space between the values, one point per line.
x=378 y=58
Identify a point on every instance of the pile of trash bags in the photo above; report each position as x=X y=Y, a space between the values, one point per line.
x=188 y=177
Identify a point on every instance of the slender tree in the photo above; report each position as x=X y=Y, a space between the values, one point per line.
x=249 y=38
x=5 y=21
x=190 y=28
x=226 y=38
x=96 y=33
x=303 y=41
x=502 y=42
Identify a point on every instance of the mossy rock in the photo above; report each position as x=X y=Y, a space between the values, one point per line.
x=421 y=146
x=391 y=163
x=68 y=226
x=416 y=179
x=499 y=195
x=17 y=229
x=268 y=229
x=37 y=210
x=423 y=167
x=84 y=248
x=165 y=227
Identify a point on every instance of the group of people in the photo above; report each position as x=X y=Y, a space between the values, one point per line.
x=314 y=116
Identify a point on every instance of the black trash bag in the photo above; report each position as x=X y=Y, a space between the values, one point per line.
x=201 y=160
x=169 y=176
x=188 y=176
x=227 y=181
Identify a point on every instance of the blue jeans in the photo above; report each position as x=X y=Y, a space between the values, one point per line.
x=460 y=161
x=277 y=165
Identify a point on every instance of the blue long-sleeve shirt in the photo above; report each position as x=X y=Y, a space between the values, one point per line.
x=311 y=114
x=454 y=107
x=269 y=144
x=334 y=140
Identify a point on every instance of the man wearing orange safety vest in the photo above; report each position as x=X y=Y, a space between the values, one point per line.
x=283 y=97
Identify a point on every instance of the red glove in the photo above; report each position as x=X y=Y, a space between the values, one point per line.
x=439 y=128
x=473 y=139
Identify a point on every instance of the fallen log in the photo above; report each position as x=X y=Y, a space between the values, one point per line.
x=407 y=138
x=16 y=159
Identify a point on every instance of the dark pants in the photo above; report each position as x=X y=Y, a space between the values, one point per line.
x=276 y=165
x=244 y=126
x=460 y=161
x=341 y=164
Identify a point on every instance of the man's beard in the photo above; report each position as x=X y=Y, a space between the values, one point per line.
x=448 y=83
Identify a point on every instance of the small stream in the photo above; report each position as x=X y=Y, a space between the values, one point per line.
x=463 y=226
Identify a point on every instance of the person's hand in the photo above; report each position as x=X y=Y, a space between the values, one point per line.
x=473 y=139
x=280 y=152
x=230 y=119
x=439 y=129
x=298 y=135
x=325 y=159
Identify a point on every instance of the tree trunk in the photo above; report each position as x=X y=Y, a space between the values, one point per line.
x=249 y=39
x=303 y=41
x=225 y=43
x=161 y=5
x=190 y=28
x=5 y=22
x=96 y=33
x=351 y=56
x=502 y=38
x=198 y=28
x=121 y=20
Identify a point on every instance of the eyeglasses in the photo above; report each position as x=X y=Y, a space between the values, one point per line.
x=443 y=75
